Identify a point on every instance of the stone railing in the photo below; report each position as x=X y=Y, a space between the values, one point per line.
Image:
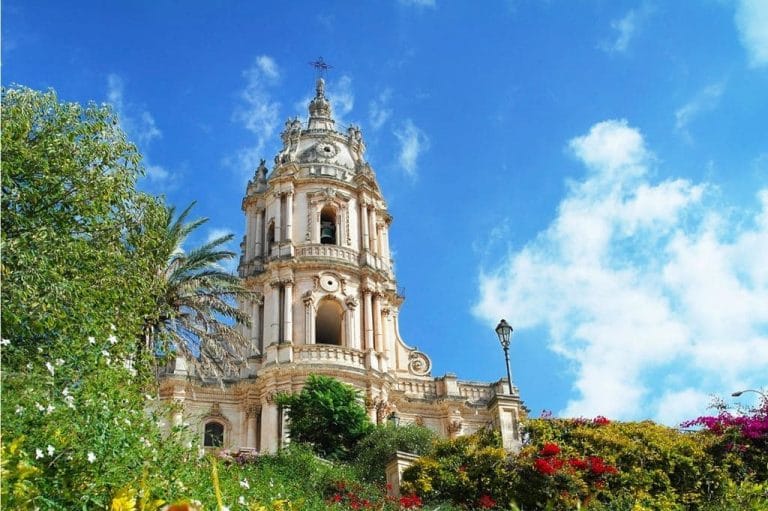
x=328 y=354
x=320 y=251
x=418 y=387
x=476 y=393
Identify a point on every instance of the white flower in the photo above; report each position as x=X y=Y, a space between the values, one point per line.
x=49 y=409
x=39 y=454
x=112 y=339
x=5 y=342
x=241 y=500
x=70 y=400
x=59 y=362
x=51 y=450
x=91 y=457
x=244 y=484
x=91 y=340
x=50 y=368
x=19 y=409
x=40 y=407
x=112 y=327
x=39 y=349
x=29 y=366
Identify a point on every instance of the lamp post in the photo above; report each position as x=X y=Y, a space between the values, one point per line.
x=504 y=331
x=761 y=394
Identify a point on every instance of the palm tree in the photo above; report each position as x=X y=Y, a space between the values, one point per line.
x=197 y=311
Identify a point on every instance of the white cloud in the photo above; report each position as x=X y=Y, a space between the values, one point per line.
x=413 y=142
x=419 y=3
x=138 y=123
x=379 y=111
x=705 y=100
x=140 y=126
x=626 y=29
x=258 y=112
x=341 y=97
x=752 y=22
x=646 y=287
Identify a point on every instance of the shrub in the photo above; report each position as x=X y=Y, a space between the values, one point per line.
x=326 y=415
x=373 y=452
x=462 y=471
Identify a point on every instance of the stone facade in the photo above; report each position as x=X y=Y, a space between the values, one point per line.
x=316 y=254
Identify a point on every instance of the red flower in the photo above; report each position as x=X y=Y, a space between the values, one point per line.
x=486 y=502
x=410 y=502
x=543 y=467
x=549 y=450
x=600 y=421
x=578 y=463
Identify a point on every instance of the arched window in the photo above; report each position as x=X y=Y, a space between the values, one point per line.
x=270 y=235
x=214 y=434
x=328 y=323
x=328 y=226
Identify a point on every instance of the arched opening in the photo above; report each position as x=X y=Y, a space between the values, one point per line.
x=271 y=234
x=213 y=435
x=328 y=226
x=328 y=323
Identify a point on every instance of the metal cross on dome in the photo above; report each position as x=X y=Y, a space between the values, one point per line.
x=320 y=66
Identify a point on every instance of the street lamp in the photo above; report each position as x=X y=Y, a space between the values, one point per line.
x=739 y=393
x=504 y=331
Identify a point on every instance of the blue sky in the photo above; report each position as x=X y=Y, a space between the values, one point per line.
x=594 y=172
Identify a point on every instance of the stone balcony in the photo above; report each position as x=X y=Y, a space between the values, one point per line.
x=317 y=251
x=328 y=354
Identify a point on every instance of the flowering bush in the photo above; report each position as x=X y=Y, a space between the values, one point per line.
x=740 y=440
x=463 y=471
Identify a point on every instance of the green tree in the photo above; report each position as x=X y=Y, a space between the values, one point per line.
x=327 y=415
x=373 y=452
x=196 y=314
x=78 y=271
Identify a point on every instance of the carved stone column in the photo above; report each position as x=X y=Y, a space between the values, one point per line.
x=377 y=323
x=288 y=312
x=249 y=234
x=364 y=227
x=368 y=306
x=288 y=235
x=353 y=336
x=372 y=231
x=252 y=433
x=277 y=205
x=309 y=318
x=269 y=424
x=257 y=234
x=255 y=325
x=274 y=320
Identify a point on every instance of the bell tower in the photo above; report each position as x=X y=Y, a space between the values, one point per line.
x=316 y=250
x=325 y=300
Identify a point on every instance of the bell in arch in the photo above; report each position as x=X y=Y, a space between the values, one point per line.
x=327 y=233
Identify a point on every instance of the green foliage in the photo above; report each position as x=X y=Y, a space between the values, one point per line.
x=196 y=299
x=462 y=471
x=596 y=465
x=78 y=273
x=658 y=466
x=372 y=453
x=327 y=415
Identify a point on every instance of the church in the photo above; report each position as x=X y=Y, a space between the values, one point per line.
x=316 y=256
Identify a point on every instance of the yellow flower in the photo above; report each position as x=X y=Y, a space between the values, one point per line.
x=125 y=500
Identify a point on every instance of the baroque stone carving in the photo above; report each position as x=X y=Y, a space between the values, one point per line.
x=419 y=363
